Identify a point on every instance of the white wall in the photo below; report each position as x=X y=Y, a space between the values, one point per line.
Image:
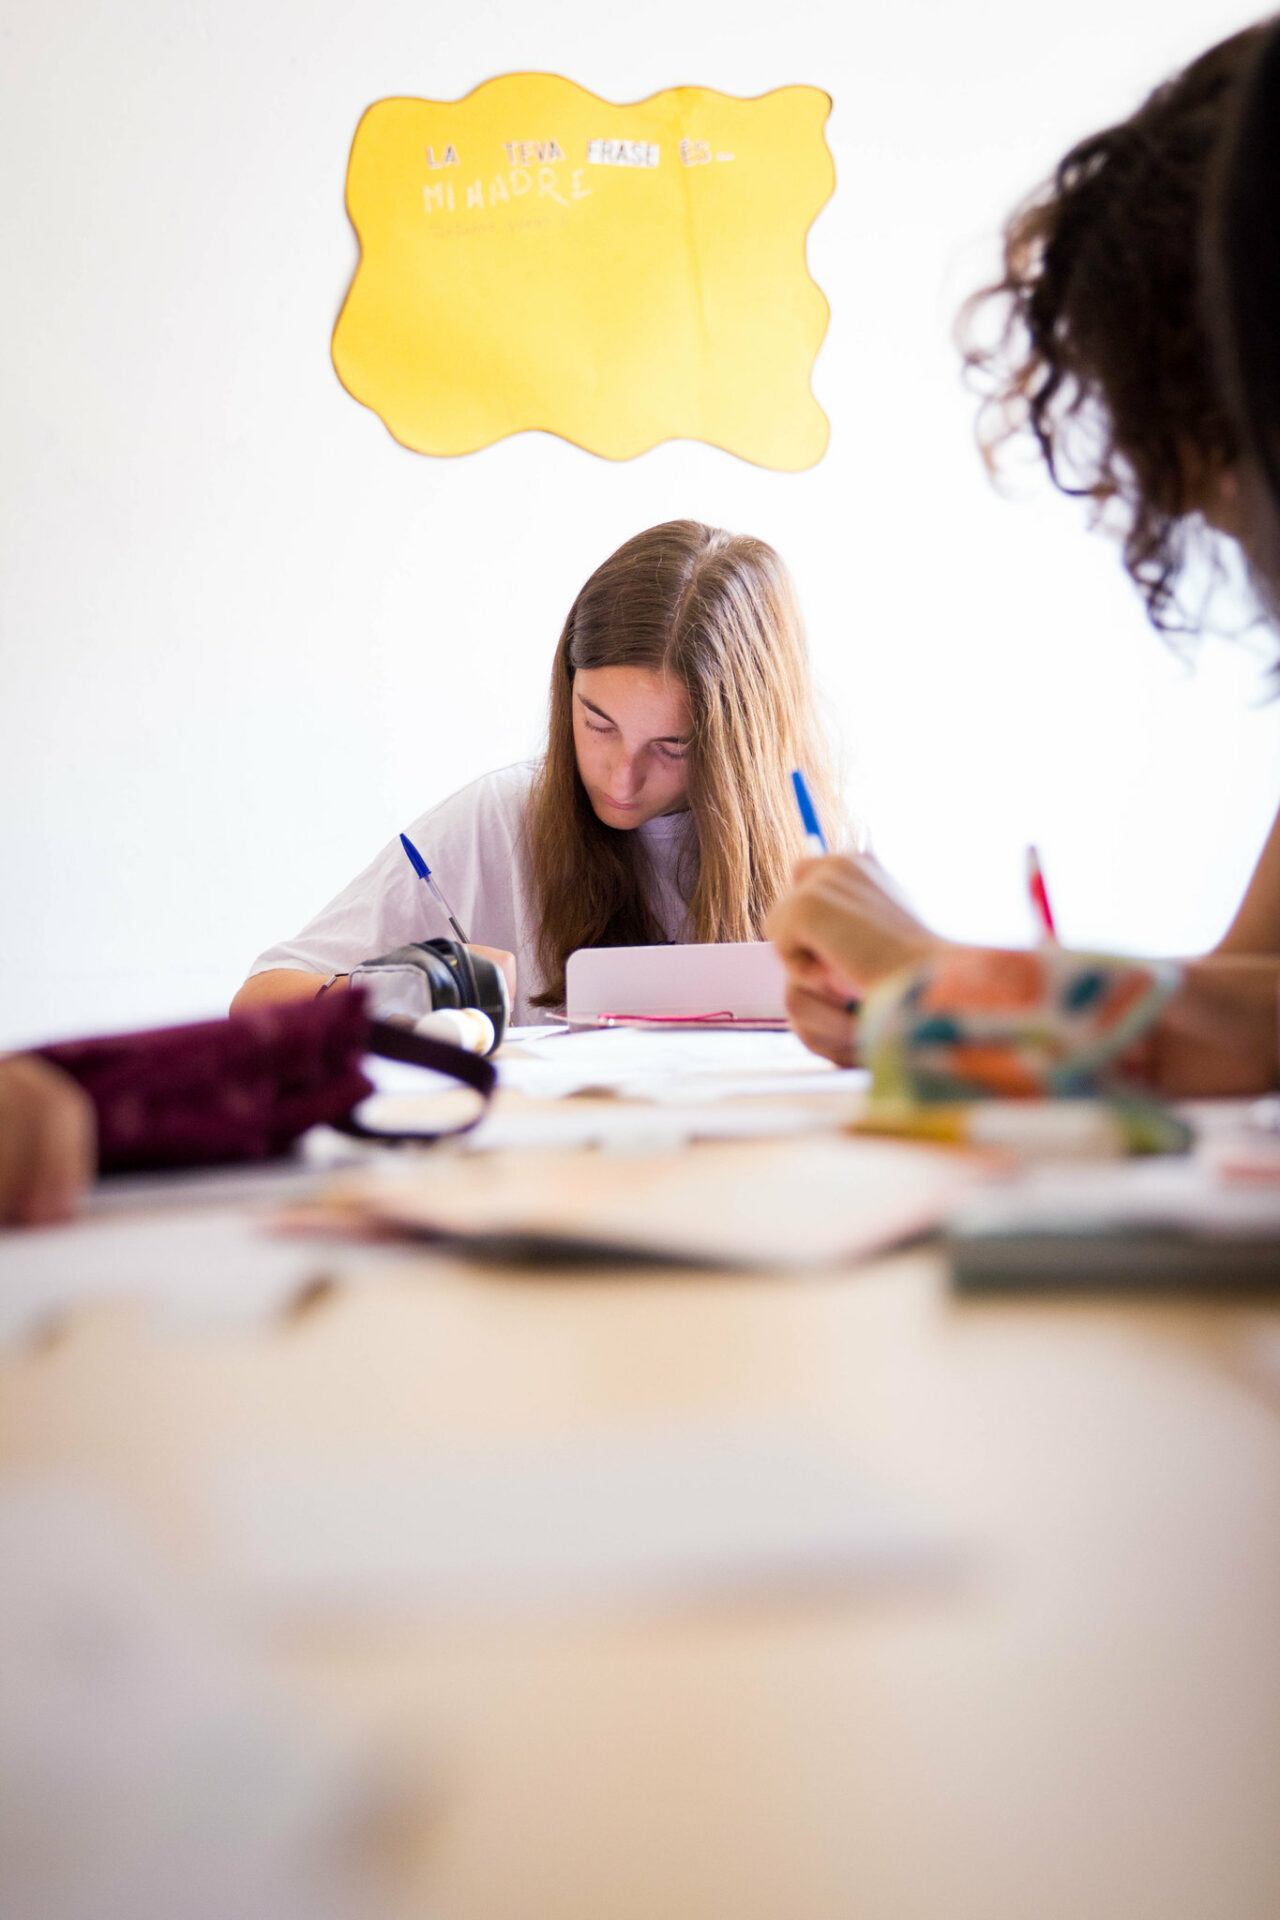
x=245 y=636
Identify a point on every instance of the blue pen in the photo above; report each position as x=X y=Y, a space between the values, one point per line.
x=423 y=872
x=815 y=842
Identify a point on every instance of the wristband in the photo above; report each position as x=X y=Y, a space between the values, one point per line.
x=976 y=1023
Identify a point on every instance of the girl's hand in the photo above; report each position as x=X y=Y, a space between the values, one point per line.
x=826 y=1024
x=500 y=958
x=47 y=1144
x=842 y=928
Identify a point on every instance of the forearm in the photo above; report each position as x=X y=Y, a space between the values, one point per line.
x=1256 y=927
x=1220 y=1035
x=278 y=985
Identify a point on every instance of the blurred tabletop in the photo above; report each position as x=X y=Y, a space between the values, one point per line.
x=1083 y=1721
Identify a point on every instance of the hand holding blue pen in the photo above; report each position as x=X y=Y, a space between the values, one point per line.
x=815 y=841
x=423 y=872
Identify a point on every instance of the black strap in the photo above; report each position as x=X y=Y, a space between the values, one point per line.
x=416 y=1050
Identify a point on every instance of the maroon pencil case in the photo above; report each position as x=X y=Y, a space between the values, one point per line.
x=246 y=1087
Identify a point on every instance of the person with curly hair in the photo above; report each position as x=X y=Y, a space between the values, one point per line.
x=1134 y=334
x=1101 y=348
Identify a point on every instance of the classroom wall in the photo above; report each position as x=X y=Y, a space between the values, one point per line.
x=244 y=636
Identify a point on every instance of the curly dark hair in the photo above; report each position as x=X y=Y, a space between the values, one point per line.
x=1102 y=351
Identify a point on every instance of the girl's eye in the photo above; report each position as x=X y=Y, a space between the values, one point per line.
x=594 y=726
x=673 y=753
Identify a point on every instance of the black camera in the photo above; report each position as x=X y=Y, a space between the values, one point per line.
x=431 y=976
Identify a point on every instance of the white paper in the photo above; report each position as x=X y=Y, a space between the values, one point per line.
x=634 y=1127
x=692 y=1513
x=1174 y=1190
x=800 y=1204
x=210 y=1266
x=250 y=1181
x=551 y=1063
x=148 y=1771
x=642 y=1064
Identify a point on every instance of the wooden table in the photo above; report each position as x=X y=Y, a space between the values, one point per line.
x=1083 y=1725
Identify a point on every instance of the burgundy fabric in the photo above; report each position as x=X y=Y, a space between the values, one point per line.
x=399 y=1043
x=223 y=1090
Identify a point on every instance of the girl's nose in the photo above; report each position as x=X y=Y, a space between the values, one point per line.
x=627 y=777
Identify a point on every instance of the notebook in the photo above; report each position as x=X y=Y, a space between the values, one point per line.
x=1164 y=1225
x=733 y=984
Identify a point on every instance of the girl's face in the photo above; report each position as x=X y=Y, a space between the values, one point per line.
x=631 y=733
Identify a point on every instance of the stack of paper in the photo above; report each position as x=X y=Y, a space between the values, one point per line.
x=816 y=1202
x=665 y=1089
x=1160 y=1224
x=640 y=1064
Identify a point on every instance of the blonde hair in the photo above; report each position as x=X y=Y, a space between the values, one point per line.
x=717 y=612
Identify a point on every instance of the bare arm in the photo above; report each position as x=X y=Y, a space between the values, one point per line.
x=1218 y=1036
x=279 y=984
x=1256 y=927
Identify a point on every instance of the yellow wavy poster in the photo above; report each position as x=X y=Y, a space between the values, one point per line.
x=533 y=256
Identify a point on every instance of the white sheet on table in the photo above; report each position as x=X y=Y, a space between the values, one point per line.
x=685 y=1513
x=200 y=1265
x=148 y=1768
x=659 y=1064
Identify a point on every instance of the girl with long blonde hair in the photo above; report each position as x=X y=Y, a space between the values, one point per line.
x=661 y=809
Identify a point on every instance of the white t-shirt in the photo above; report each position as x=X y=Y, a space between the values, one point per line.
x=474 y=845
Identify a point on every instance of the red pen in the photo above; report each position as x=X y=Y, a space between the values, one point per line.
x=1040 y=896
